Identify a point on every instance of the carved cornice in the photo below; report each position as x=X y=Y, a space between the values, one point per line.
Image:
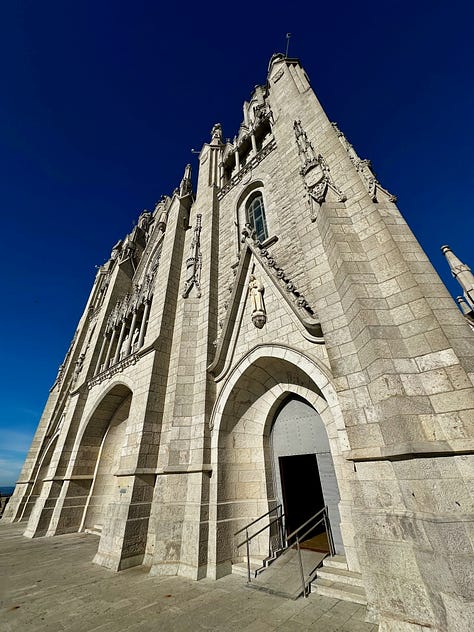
x=315 y=172
x=113 y=370
x=194 y=262
x=234 y=307
x=266 y=258
x=251 y=164
x=364 y=168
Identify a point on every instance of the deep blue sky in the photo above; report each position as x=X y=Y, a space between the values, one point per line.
x=101 y=102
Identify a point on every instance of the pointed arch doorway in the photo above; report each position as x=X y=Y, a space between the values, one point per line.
x=304 y=478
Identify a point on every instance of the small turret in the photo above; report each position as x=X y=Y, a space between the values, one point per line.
x=462 y=273
x=186 y=186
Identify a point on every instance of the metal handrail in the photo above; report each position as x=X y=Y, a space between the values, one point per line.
x=307 y=522
x=325 y=519
x=257 y=519
x=279 y=519
x=267 y=526
x=313 y=522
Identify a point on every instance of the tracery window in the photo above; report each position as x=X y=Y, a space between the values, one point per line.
x=255 y=215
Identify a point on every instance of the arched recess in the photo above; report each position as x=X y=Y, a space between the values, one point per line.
x=303 y=469
x=41 y=474
x=93 y=484
x=243 y=485
x=252 y=195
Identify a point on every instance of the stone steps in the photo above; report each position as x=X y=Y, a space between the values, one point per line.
x=240 y=568
x=283 y=576
x=340 y=575
x=336 y=561
x=335 y=580
x=96 y=529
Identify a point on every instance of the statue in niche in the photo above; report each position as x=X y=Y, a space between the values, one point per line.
x=305 y=148
x=250 y=232
x=144 y=220
x=259 y=315
x=129 y=248
x=136 y=333
x=116 y=250
x=123 y=348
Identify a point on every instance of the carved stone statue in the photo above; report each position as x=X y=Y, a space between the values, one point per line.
x=216 y=134
x=144 y=220
x=116 y=250
x=123 y=347
x=136 y=333
x=256 y=289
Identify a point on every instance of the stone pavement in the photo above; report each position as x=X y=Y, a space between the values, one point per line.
x=51 y=584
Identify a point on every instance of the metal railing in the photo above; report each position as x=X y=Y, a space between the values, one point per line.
x=319 y=517
x=285 y=542
x=278 y=521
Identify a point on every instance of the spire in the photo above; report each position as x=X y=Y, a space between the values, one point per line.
x=186 y=186
x=462 y=273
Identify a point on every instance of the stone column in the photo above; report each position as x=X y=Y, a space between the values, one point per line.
x=101 y=353
x=132 y=329
x=109 y=350
x=120 y=340
x=143 y=325
x=254 y=143
x=237 y=161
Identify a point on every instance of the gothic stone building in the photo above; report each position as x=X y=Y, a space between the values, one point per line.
x=278 y=338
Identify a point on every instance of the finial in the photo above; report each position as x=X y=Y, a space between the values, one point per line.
x=288 y=35
x=186 y=186
x=465 y=308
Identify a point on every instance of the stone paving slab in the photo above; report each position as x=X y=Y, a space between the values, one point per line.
x=51 y=585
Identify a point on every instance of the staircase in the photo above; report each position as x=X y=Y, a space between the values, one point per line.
x=336 y=581
x=284 y=576
x=289 y=569
x=96 y=529
x=256 y=565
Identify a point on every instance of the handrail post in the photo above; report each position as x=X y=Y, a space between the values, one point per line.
x=301 y=566
x=282 y=531
x=248 y=555
x=327 y=525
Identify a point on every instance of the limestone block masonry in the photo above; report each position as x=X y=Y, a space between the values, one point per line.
x=288 y=288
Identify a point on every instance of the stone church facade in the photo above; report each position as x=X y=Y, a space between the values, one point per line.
x=283 y=310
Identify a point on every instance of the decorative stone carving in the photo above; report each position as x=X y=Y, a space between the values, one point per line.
x=116 y=250
x=252 y=163
x=144 y=220
x=136 y=333
x=186 y=186
x=305 y=149
x=259 y=315
x=194 y=262
x=118 y=367
x=128 y=249
x=216 y=134
x=315 y=173
x=270 y=261
x=364 y=168
x=77 y=368
x=278 y=75
x=62 y=367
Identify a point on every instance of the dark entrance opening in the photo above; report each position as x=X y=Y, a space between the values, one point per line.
x=302 y=495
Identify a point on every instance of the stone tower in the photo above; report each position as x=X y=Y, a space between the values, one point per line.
x=278 y=339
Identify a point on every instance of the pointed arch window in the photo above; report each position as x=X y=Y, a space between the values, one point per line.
x=255 y=214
